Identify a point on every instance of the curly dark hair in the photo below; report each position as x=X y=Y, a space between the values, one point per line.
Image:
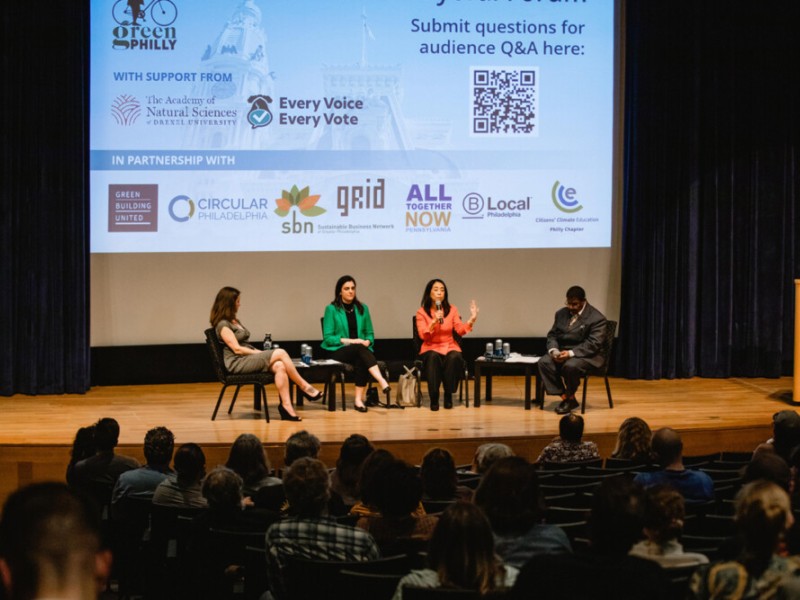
x=307 y=485
x=159 y=443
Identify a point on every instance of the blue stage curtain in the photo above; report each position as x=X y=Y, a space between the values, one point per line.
x=711 y=184
x=44 y=235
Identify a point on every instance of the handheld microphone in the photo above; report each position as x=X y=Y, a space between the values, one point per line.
x=439 y=307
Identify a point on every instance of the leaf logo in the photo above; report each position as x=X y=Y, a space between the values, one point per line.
x=307 y=205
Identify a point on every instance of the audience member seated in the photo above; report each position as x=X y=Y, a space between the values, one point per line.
x=695 y=486
x=763 y=514
x=105 y=466
x=487 y=454
x=300 y=444
x=439 y=477
x=182 y=489
x=769 y=466
x=509 y=496
x=50 y=545
x=664 y=513
x=308 y=532
x=222 y=489
x=248 y=459
x=82 y=447
x=398 y=528
x=634 y=441
x=461 y=555
x=344 y=478
x=606 y=570
x=159 y=443
x=369 y=483
x=568 y=447
x=785 y=435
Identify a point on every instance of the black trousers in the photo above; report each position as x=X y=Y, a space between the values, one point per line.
x=562 y=378
x=442 y=369
x=360 y=357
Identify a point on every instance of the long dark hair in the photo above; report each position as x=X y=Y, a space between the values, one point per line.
x=224 y=307
x=248 y=459
x=337 y=294
x=461 y=550
x=426 y=297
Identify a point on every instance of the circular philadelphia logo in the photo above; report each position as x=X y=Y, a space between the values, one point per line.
x=473 y=204
x=181 y=208
x=564 y=198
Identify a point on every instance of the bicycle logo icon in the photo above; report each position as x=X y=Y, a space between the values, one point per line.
x=131 y=12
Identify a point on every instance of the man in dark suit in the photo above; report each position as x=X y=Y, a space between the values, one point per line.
x=573 y=346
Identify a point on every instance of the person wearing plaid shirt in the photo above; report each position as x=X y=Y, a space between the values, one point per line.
x=308 y=533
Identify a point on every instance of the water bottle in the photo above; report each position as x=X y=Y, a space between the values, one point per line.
x=506 y=349
x=489 y=350
x=268 y=341
x=498 y=347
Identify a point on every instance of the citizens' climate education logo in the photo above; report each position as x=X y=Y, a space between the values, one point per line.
x=126 y=109
x=564 y=198
x=303 y=202
x=144 y=25
x=181 y=208
x=259 y=114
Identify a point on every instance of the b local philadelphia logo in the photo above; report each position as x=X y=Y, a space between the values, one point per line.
x=564 y=198
x=304 y=203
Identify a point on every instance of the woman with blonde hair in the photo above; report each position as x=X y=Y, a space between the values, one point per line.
x=763 y=514
x=634 y=441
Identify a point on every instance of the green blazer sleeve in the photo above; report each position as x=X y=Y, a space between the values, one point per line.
x=365 y=331
x=334 y=328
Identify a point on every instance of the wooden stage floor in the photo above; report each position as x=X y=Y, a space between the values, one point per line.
x=36 y=432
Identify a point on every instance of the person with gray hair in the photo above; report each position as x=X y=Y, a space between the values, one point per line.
x=50 y=545
x=488 y=454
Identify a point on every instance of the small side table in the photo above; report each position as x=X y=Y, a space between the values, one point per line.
x=527 y=364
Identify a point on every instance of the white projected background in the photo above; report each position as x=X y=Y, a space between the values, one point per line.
x=276 y=146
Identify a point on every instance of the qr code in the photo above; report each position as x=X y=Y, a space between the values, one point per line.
x=504 y=101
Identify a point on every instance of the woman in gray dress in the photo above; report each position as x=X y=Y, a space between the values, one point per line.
x=241 y=357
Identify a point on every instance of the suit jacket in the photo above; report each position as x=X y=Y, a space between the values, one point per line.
x=584 y=338
x=335 y=327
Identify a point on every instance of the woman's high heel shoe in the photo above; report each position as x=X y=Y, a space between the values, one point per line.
x=285 y=416
x=315 y=397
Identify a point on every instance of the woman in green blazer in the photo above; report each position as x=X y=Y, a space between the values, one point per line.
x=347 y=334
